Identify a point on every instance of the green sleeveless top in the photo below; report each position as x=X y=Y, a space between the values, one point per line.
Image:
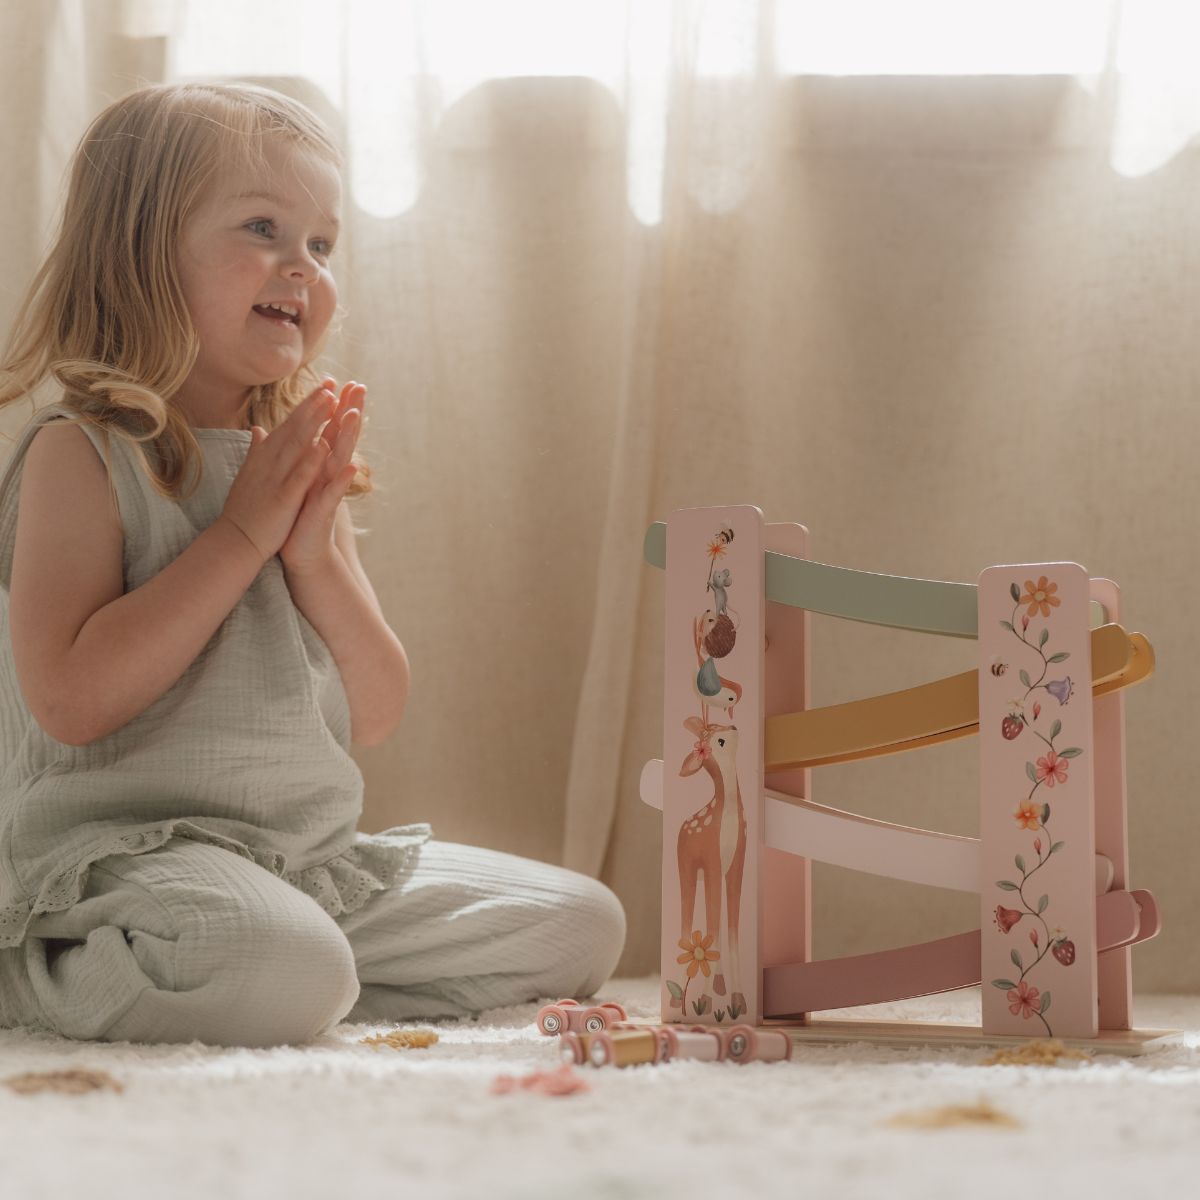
x=247 y=750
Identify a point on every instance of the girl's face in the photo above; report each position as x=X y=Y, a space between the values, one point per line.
x=239 y=252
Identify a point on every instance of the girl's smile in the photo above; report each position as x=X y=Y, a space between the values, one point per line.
x=279 y=320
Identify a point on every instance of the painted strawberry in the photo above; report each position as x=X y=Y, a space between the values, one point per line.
x=1011 y=726
x=1064 y=951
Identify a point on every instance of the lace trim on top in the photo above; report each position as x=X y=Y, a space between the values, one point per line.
x=341 y=884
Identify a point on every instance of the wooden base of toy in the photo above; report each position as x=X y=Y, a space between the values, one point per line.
x=1125 y=1042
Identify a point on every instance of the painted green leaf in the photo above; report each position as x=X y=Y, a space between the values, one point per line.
x=1070 y=752
x=1020 y=861
x=1044 y=638
x=1045 y=1001
x=674 y=989
x=1042 y=904
x=1057 y=846
x=1008 y=625
x=1015 y=593
x=1031 y=771
x=1015 y=955
x=1055 y=730
x=1006 y=984
x=1061 y=656
x=1025 y=678
x=1008 y=887
x=1045 y=813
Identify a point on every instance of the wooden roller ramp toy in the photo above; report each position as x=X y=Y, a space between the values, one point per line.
x=740 y=826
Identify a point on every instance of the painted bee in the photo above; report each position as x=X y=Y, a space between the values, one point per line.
x=998 y=667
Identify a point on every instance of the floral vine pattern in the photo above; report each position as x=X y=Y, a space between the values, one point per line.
x=1048 y=770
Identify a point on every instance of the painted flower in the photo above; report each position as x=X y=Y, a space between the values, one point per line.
x=1006 y=918
x=1027 y=815
x=1033 y=936
x=703 y=750
x=1040 y=596
x=1061 y=689
x=717 y=548
x=1023 y=999
x=1051 y=769
x=1037 y=845
x=1037 y=710
x=698 y=955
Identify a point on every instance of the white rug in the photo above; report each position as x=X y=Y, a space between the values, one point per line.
x=338 y=1118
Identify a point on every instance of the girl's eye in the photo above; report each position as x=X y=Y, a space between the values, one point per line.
x=271 y=225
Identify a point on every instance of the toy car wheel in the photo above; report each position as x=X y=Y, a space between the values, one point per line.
x=668 y=1047
x=595 y=1020
x=600 y=1050
x=570 y=1049
x=740 y=1043
x=552 y=1020
x=618 y=1013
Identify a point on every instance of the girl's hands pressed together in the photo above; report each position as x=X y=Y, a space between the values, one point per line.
x=292 y=471
x=310 y=544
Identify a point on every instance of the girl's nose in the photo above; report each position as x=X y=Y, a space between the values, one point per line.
x=303 y=265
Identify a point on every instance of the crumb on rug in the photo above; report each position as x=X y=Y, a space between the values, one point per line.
x=1040 y=1053
x=949 y=1115
x=70 y=1082
x=401 y=1039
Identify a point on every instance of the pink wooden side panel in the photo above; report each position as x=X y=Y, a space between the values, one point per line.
x=1108 y=716
x=786 y=924
x=942 y=966
x=1037 y=814
x=712 y=765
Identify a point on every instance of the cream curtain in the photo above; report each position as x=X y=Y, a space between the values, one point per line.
x=944 y=320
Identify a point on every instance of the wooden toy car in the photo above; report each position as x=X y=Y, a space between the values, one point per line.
x=571 y=1016
x=627 y=1044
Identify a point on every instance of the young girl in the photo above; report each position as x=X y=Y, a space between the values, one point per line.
x=190 y=640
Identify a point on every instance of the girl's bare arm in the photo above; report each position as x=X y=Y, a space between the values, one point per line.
x=90 y=657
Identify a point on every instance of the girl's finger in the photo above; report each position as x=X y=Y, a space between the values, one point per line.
x=344 y=449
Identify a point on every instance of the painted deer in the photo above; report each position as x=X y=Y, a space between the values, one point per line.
x=713 y=841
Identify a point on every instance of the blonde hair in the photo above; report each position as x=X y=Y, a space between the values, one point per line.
x=105 y=314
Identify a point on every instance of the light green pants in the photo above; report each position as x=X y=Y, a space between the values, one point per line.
x=192 y=942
